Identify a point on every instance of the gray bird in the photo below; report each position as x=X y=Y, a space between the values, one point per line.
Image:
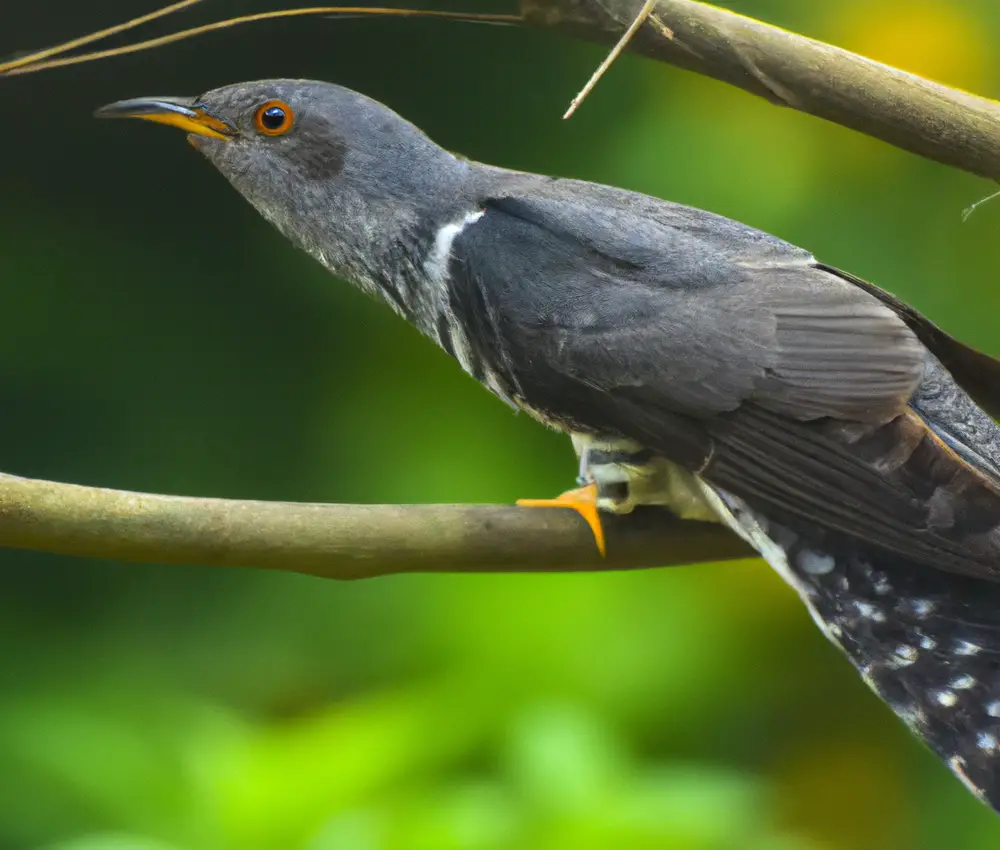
x=698 y=364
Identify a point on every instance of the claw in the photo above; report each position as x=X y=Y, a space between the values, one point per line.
x=582 y=500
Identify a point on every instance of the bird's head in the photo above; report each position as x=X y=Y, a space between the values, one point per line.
x=329 y=167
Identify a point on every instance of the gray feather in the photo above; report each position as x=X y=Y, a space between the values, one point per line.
x=696 y=313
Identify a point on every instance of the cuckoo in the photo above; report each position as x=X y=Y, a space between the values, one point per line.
x=697 y=364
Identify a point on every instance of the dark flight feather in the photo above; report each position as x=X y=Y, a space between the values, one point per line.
x=976 y=372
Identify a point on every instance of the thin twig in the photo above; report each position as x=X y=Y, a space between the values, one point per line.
x=644 y=13
x=969 y=210
x=353 y=11
x=39 y=55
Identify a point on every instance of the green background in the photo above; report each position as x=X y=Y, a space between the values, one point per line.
x=158 y=336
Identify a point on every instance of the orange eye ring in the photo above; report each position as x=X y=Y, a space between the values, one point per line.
x=274 y=118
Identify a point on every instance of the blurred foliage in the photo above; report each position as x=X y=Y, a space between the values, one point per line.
x=159 y=336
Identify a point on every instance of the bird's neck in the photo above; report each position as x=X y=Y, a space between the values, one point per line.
x=397 y=247
x=407 y=264
x=394 y=249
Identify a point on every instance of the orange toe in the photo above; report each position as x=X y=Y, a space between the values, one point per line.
x=582 y=500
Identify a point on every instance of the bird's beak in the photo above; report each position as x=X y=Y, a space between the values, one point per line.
x=184 y=113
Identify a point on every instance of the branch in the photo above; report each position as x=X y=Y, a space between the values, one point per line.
x=917 y=115
x=341 y=541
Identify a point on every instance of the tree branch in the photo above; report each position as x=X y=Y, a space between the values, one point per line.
x=917 y=115
x=341 y=541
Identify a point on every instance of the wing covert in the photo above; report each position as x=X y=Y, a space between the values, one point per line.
x=629 y=302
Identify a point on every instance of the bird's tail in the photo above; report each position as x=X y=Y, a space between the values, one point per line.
x=926 y=641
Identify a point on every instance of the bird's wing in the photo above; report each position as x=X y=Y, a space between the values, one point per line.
x=785 y=384
x=978 y=373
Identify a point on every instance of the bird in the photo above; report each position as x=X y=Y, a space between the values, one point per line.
x=696 y=363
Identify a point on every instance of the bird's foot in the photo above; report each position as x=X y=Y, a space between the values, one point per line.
x=583 y=500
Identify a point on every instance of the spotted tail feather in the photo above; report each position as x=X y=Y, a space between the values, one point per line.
x=927 y=642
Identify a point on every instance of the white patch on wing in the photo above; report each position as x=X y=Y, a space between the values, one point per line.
x=966 y=647
x=946 y=698
x=919 y=607
x=817 y=563
x=436 y=264
x=436 y=268
x=869 y=611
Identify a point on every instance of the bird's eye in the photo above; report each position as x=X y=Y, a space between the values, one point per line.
x=274 y=118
